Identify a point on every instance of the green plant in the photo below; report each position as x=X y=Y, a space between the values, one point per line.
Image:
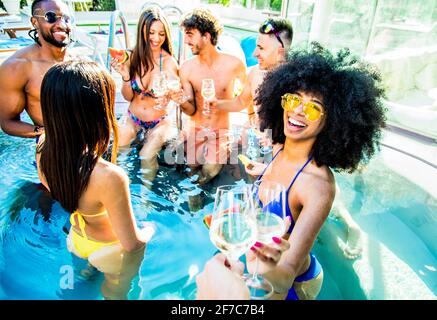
x=224 y=3
x=276 y=5
x=23 y=3
x=104 y=5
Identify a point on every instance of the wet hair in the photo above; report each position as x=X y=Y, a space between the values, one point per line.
x=77 y=102
x=282 y=26
x=352 y=98
x=141 y=59
x=204 y=21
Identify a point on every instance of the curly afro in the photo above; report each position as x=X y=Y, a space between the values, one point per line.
x=352 y=96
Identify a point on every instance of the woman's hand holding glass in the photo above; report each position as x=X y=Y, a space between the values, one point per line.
x=160 y=90
x=176 y=92
x=255 y=168
x=268 y=254
x=269 y=201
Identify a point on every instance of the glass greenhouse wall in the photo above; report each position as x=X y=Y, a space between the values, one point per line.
x=399 y=36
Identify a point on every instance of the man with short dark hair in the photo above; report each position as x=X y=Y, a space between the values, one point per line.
x=207 y=135
x=273 y=43
x=22 y=73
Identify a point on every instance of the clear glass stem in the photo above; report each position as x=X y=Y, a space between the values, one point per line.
x=255 y=273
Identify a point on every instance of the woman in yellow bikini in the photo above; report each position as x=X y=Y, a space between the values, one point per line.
x=77 y=100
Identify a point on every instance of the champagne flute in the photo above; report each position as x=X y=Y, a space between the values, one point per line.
x=233 y=225
x=159 y=87
x=266 y=136
x=269 y=201
x=256 y=147
x=208 y=93
x=174 y=84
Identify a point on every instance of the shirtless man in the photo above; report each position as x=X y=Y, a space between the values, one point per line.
x=274 y=41
x=206 y=148
x=22 y=73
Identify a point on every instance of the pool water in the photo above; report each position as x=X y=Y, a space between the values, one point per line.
x=398 y=222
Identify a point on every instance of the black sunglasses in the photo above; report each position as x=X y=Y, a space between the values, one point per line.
x=268 y=28
x=52 y=17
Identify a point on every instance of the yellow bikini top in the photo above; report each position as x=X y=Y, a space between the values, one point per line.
x=81 y=220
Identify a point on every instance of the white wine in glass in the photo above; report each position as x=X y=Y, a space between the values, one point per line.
x=233 y=225
x=159 y=87
x=208 y=93
x=174 y=84
x=270 y=208
x=269 y=200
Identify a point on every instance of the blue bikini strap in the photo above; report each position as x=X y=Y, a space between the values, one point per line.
x=160 y=60
x=260 y=176
x=298 y=173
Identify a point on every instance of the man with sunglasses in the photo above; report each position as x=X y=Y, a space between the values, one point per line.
x=274 y=41
x=22 y=73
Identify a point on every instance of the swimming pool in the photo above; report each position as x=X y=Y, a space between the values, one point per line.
x=398 y=220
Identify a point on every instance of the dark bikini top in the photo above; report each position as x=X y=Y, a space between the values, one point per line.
x=143 y=92
x=275 y=206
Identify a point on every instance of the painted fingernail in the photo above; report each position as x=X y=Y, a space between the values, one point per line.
x=258 y=244
x=253 y=248
x=276 y=240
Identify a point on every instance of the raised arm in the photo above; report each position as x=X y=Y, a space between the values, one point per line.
x=13 y=79
x=123 y=70
x=116 y=200
x=313 y=215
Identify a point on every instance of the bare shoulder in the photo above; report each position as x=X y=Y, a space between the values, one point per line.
x=232 y=60
x=188 y=65
x=170 y=62
x=108 y=176
x=254 y=76
x=276 y=147
x=255 y=72
x=19 y=63
x=320 y=181
x=168 y=58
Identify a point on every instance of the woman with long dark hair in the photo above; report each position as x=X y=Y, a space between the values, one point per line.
x=77 y=100
x=151 y=57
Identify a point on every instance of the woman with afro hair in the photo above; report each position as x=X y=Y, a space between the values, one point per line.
x=325 y=112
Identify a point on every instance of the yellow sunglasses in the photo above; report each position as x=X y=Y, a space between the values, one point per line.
x=311 y=110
